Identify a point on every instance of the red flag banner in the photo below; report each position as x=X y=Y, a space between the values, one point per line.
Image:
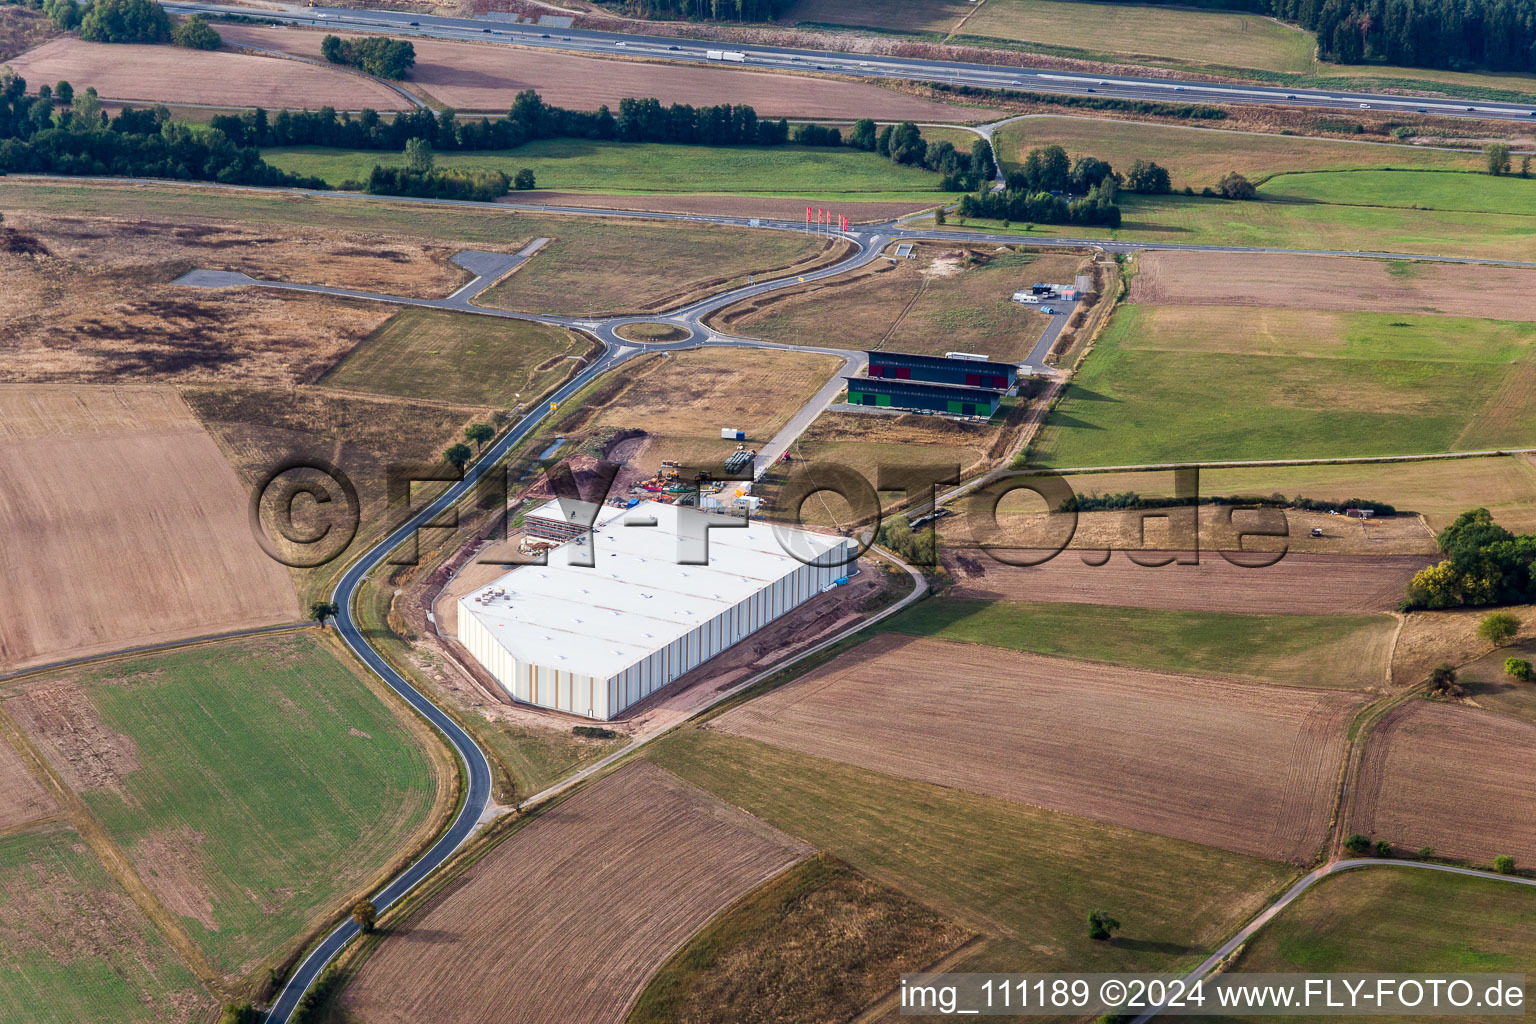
x=807 y=214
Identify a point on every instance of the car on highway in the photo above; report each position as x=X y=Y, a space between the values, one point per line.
x=415 y=24
x=1423 y=111
x=674 y=47
x=1365 y=106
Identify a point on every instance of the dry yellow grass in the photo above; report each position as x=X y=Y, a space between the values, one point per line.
x=126 y=527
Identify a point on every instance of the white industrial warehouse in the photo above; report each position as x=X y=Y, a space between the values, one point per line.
x=613 y=617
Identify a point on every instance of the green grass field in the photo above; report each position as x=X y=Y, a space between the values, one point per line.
x=1172 y=383
x=456 y=357
x=74 y=947
x=1305 y=650
x=1401 y=920
x=271 y=783
x=1197 y=221
x=581 y=165
x=1432 y=190
x=1198 y=157
x=1023 y=877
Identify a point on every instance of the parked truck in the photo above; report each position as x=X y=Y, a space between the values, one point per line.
x=726 y=433
x=733 y=56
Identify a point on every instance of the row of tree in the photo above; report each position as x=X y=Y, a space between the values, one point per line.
x=66 y=132
x=377 y=55
x=712 y=10
x=1133 y=500
x=126 y=21
x=1484 y=564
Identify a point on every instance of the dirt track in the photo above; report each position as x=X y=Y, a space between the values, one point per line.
x=481 y=77
x=1300 y=584
x=710 y=205
x=173 y=74
x=1453 y=777
x=566 y=920
x=1328 y=282
x=1245 y=767
x=125 y=524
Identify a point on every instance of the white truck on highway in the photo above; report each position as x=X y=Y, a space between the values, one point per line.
x=733 y=56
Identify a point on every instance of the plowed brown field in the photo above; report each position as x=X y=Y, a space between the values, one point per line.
x=174 y=74
x=22 y=797
x=1452 y=777
x=474 y=76
x=1299 y=584
x=1332 y=282
x=1245 y=767
x=124 y=525
x=566 y=920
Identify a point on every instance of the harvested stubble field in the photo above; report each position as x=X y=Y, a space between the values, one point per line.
x=584 y=941
x=127 y=527
x=1177 y=383
x=1430 y=638
x=1244 y=767
x=460 y=358
x=859 y=211
x=1197 y=157
x=1452 y=777
x=945 y=299
x=165 y=74
x=74 y=947
x=1009 y=871
x=1299 y=584
x=820 y=942
x=1332 y=651
x=255 y=785
x=1387 y=919
x=672 y=406
x=594 y=267
x=22 y=797
x=1281 y=280
x=487 y=77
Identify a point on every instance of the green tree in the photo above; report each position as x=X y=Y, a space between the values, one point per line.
x=1101 y=926
x=479 y=433
x=1148 y=178
x=523 y=180
x=125 y=21
x=1358 y=845
x=1519 y=668
x=322 y=610
x=1426 y=852
x=196 y=34
x=87 y=109
x=1496 y=154
x=458 y=456
x=1235 y=186
x=1504 y=864
x=1383 y=848
x=862 y=136
x=365 y=914
x=1498 y=628
x=418 y=156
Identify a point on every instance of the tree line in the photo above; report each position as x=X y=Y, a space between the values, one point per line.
x=708 y=10
x=1499 y=35
x=1124 y=500
x=61 y=131
x=1484 y=564
x=126 y=21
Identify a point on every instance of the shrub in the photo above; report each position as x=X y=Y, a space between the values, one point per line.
x=1235 y=186
x=196 y=34
x=1519 y=668
x=593 y=732
x=1504 y=864
x=1383 y=848
x=1101 y=926
x=1443 y=680
x=1426 y=852
x=523 y=180
x=1358 y=845
x=1498 y=628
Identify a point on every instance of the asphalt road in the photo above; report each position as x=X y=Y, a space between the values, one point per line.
x=993 y=76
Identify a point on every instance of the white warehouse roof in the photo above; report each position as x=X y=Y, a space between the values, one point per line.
x=576 y=512
x=635 y=598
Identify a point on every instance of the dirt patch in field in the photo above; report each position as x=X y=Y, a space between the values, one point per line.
x=1301 y=584
x=1240 y=766
x=126 y=526
x=62 y=721
x=1330 y=282
x=1451 y=777
x=473 y=76
x=170 y=864
x=584 y=941
x=22 y=797
x=733 y=206
x=167 y=74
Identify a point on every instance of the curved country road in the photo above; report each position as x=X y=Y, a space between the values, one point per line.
x=1306 y=882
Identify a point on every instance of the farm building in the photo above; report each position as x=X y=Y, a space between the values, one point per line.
x=566 y=519
x=613 y=617
x=964 y=371
x=923 y=397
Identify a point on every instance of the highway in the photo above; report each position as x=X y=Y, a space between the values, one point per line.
x=778 y=58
